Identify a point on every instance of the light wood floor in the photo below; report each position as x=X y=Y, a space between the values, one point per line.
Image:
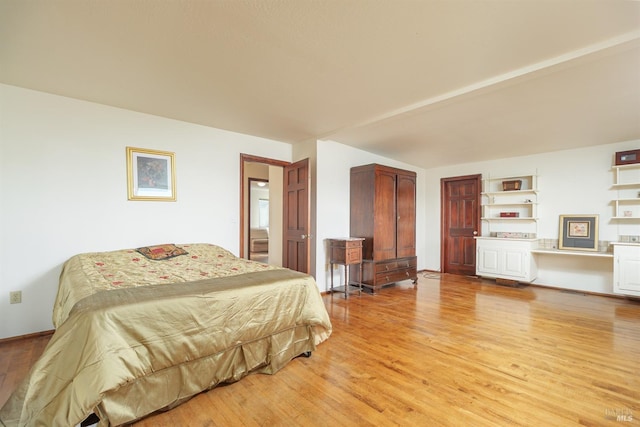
x=451 y=351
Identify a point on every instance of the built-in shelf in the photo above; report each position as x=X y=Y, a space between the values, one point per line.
x=521 y=203
x=627 y=184
x=520 y=218
x=511 y=192
x=626 y=205
x=511 y=204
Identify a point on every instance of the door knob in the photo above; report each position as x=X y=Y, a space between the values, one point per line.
x=475 y=233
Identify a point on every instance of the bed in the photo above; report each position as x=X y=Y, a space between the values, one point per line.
x=139 y=331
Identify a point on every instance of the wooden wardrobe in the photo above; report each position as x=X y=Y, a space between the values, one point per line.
x=383 y=211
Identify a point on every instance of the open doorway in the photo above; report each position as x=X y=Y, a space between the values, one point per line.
x=261 y=234
x=289 y=238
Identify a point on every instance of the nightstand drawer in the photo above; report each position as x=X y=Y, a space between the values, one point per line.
x=353 y=243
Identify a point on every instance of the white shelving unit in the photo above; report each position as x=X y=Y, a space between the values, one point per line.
x=627 y=186
x=522 y=203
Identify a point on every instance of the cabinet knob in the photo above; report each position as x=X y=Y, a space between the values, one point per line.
x=475 y=233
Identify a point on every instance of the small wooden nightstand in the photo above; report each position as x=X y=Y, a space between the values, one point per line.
x=346 y=251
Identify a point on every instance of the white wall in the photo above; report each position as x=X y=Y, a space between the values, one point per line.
x=63 y=191
x=569 y=182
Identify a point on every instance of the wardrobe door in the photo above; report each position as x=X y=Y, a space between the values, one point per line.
x=406 y=216
x=362 y=200
x=384 y=240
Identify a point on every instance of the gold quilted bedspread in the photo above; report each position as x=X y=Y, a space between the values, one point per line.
x=205 y=318
x=85 y=274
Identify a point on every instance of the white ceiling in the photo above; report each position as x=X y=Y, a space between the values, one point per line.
x=423 y=81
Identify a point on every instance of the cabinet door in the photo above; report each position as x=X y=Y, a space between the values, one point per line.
x=362 y=201
x=626 y=270
x=488 y=260
x=515 y=263
x=406 y=208
x=384 y=240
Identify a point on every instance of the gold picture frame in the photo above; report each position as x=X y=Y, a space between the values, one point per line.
x=578 y=232
x=151 y=175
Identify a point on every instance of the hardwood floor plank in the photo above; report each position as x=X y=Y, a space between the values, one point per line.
x=453 y=350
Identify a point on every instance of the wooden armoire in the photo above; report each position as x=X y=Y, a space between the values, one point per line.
x=383 y=211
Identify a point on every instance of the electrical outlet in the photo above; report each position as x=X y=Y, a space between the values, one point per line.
x=15 y=297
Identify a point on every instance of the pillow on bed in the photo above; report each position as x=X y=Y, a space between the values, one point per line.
x=160 y=252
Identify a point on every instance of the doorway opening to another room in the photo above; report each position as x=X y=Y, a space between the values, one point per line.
x=288 y=217
x=261 y=214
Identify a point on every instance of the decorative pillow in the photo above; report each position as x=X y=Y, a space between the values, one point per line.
x=160 y=252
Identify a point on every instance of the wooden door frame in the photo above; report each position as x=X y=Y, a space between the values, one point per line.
x=253 y=159
x=443 y=222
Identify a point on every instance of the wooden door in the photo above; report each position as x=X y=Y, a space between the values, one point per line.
x=406 y=209
x=460 y=205
x=385 y=216
x=361 y=201
x=297 y=224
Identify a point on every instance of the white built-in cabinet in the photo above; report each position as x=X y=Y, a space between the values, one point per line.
x=508 y=247
x=627 y=186
x=509 y=259
x=626 y=269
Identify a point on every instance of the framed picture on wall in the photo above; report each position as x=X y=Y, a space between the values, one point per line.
x=151 y=175
x=578 y=232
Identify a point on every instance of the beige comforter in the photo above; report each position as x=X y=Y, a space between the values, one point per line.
x=127 y=350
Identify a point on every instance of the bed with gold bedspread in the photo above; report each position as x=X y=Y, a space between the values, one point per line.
x=136 y=334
